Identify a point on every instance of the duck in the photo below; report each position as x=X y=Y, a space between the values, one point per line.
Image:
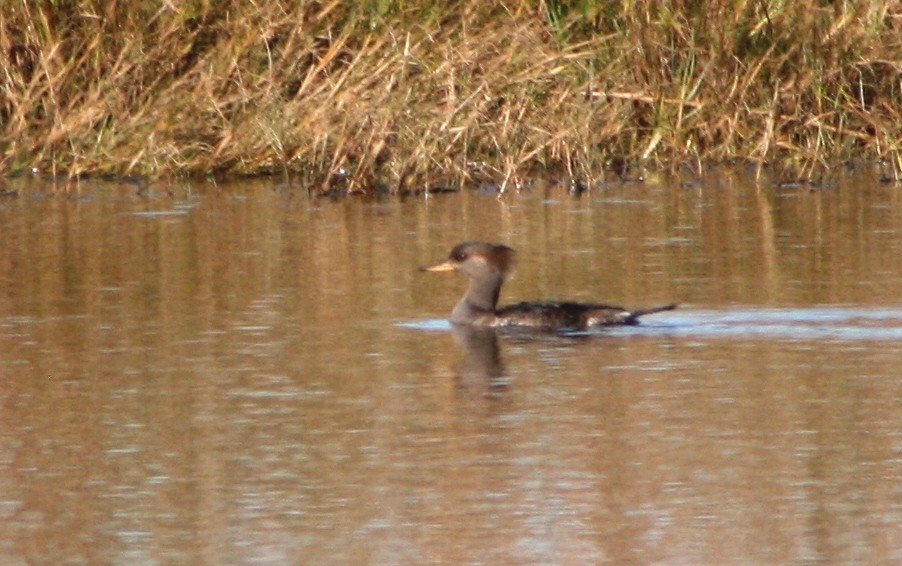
x=488 y=265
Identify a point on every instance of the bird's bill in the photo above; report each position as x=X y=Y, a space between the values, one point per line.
x=443 y=266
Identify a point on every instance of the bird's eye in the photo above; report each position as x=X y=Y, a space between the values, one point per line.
x=459 y=256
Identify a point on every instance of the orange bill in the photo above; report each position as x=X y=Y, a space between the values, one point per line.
x=443 y=266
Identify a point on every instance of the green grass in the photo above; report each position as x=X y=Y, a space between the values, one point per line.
x=391 y=96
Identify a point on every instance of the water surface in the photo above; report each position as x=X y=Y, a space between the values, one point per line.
x=238 y=374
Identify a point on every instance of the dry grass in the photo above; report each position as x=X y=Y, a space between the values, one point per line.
x=385 y=96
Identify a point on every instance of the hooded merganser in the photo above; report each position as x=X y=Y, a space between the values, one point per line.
x=488 y=265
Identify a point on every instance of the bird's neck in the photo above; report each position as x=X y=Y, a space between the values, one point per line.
x=481 y=298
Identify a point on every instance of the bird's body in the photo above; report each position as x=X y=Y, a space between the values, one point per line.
x=488 y=265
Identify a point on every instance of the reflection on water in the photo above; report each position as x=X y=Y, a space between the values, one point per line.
x=239 y=375
x=481 y=359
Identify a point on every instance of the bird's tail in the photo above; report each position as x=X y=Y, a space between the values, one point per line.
x=635 y=314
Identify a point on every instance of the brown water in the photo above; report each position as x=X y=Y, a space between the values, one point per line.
x=242 y=375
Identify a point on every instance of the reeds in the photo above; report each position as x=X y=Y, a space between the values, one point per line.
x=394 y=96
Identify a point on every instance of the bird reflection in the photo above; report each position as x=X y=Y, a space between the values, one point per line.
x=481 y=358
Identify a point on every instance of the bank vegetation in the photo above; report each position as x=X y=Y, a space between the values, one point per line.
x=390 y=95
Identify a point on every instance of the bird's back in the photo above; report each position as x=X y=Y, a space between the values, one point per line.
x=570 y=316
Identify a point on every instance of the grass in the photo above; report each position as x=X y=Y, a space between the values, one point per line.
x=398 y=95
